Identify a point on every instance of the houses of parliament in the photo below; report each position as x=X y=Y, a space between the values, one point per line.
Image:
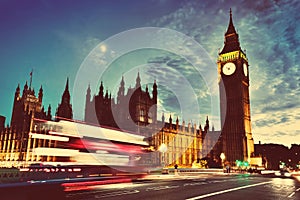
x=135 y=110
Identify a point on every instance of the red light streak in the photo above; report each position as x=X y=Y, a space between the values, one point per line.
x=88 y=185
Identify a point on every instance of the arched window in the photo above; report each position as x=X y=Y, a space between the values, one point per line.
x=150 y=117
x=142 y=115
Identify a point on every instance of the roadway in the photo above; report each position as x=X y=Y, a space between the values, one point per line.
x=192 y=187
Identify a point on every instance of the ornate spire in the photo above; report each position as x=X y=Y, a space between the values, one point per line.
x=170 y=119
x=230 y=29
x=200 y=127
x=121 y=88
x=177 y=123
x=206 y=127
x=122 y=82
x=106 y=94
x=101 y=89
x=138 y=81
x=26 y=86
x=64 y=110
x=231 y=42
x=89 y=89
x=66 y=94
x=154 y=92
x=17 y=93
x=41 y=94
x=18 y=88
x=31 y=73
x=67 y=85
x=88 y=94
x=49 y=110
x=25 y=90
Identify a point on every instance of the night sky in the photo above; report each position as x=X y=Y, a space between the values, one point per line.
x=59 y=39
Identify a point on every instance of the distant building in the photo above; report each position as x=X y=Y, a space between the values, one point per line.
x=294 y=157
x=275 y=155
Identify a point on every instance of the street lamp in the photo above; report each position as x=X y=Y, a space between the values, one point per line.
x=163 y=149
x=222 y=156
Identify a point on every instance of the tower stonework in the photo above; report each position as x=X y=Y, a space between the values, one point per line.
x=237 y=141
x=27 y=106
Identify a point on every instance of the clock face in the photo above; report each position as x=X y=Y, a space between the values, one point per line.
x=229 y=68
x=245 y=69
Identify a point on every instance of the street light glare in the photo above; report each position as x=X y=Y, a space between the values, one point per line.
x=163 y=148
x=222 y=156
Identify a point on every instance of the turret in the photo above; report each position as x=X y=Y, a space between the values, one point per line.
x=177 y=123
x=154 y=93
x=121 y=90
x=49 y=112
x=106 y=94
x=17 y=93
x=206 y=127
x=138 y=81
x=88 y=94
x=101 y=90
x=64 y=110
x=25 y=90
x=40 y=94
x=66 y=94
x=147 y=91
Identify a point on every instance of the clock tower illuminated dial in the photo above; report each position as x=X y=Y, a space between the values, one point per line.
x=245 y=69
x=229 y=68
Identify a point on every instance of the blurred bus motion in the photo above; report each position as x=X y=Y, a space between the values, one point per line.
x=71 y=144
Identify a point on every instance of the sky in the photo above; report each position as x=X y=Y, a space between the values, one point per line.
x=60 y=39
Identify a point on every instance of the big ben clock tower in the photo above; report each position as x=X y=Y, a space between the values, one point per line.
x=237 y=141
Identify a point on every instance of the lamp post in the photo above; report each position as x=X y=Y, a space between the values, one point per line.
x=163 y=149
x=222 y=156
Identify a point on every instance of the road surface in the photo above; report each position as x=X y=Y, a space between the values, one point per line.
x=192 y=187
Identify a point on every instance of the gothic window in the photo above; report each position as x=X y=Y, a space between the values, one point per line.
x=142 y=115
x=150 y=117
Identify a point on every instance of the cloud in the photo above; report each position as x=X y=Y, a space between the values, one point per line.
x=269 y=32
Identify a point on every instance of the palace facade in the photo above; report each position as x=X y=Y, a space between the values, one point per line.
x=135 y=111
x=16 y=142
